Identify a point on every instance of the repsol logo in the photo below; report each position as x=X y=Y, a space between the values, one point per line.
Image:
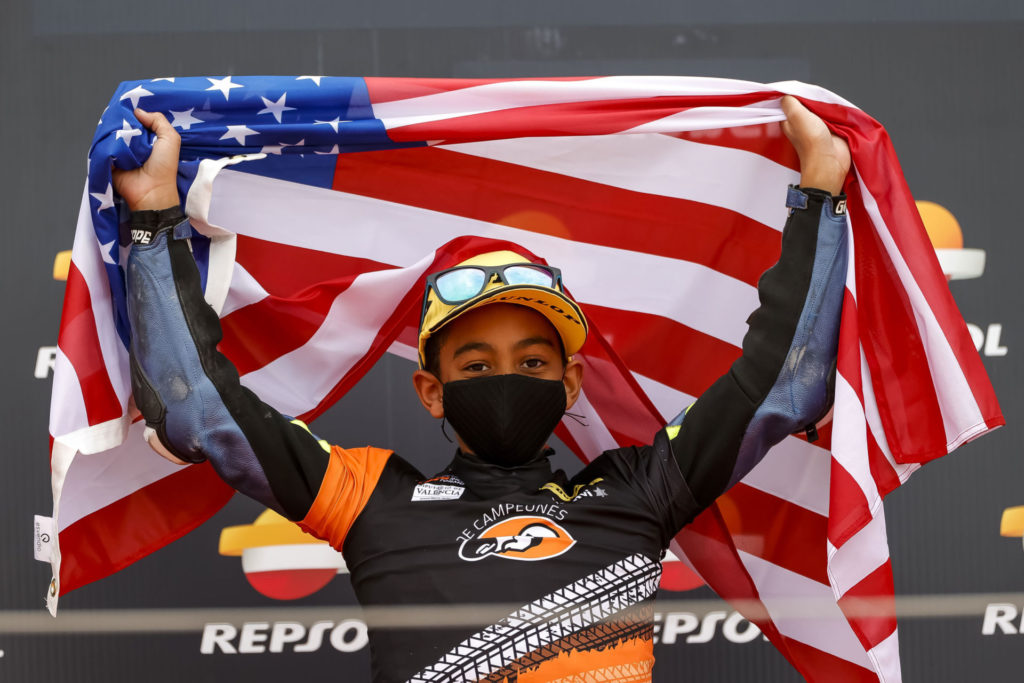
x=257 y=637
x=1003 y=618
x=676 y=627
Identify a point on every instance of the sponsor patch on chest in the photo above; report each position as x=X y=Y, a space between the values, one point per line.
x=439 y=488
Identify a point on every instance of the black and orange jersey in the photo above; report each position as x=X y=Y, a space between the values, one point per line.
x=564 y=568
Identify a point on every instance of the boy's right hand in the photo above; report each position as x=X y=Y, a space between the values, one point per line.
x=153 y=186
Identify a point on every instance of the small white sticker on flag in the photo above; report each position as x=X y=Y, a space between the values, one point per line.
x=43 y=544
x=437 y=492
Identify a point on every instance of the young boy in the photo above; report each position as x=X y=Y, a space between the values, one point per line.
x=577 y=559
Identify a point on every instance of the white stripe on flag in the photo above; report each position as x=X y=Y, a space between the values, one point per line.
x=886 y=656
x=244 y=290
x=849 y=440
x=490 y=97
x=89 y=485
x=804 y=609
x=297 y=381
x=707 y=118
x=728 y=178
x=67 y=405
x=796 y=472
x=861 y=554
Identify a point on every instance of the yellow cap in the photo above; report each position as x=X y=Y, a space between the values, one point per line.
x=563 y=313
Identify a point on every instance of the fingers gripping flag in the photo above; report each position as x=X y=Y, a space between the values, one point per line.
x=662 y=200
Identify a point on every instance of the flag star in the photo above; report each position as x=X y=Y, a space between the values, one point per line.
x=238 y=133
x=127 y=132
x=275 y=108
x=276 y=149
x=334 y=123
x=334 y=150
x=106 y=198
x=224 y=85
x=315 y=79
x=135 y=94
x=164 y=78
x=184 y=119
x=105 y=250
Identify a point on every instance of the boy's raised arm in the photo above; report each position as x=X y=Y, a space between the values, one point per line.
x=781 y=383
x=189 y=393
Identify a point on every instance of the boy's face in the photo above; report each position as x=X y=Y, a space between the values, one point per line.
x=498 y=339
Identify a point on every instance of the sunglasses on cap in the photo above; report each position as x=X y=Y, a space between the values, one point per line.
x=458 y=285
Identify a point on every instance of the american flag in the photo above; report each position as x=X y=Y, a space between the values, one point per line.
x=320 y=203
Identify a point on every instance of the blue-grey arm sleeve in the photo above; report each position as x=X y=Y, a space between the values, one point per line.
x=783 y=382
x=190 y=394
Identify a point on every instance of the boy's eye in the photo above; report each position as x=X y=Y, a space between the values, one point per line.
x=534 y=363
x=478 y=366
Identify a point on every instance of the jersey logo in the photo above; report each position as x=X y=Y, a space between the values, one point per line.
x=518 y=538
x=576 y=490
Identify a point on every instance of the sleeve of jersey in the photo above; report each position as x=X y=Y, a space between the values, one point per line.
x=783 y=382
x=352 y=476
x=190 y=394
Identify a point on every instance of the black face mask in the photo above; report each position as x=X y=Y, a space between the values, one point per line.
x=504 y=419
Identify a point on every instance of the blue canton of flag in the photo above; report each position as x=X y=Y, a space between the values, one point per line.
x=281 y=118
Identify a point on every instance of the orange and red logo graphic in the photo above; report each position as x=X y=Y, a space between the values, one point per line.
x=279 y=559
x=518 y=538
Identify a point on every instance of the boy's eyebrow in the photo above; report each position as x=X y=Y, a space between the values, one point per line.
x=523 y=343
x=472 y=346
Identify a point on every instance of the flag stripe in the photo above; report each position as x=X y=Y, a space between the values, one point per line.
x=791 y=599
x=775 y=530
x=535 y=200
x=873 y=594
x=100 y=544
x=716 y=176
x=305 y=296
x=79 y=341
x=378 y=230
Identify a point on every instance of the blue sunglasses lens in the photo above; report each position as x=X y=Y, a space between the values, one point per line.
x=460 y=285
x=526 y=275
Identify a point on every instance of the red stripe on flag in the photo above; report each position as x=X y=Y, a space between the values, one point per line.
x=848 y=509
x=263 y=260
x=80 y=342
x=593 y=117
x=818 y=666
x=767 y=140
x=644 y=341
x=539 y=201
x=870 y=606
x=896 y=356
x=848 y=353
x=304 y=297
x=776 y=530
x=390 y=89
x=128 y=529
x=882 y=471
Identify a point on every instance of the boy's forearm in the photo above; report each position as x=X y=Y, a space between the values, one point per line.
x=190 y=394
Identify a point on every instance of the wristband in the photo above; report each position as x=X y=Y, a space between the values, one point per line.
x=145 y=224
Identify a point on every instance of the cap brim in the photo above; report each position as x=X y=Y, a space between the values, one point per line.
x=563 y=313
